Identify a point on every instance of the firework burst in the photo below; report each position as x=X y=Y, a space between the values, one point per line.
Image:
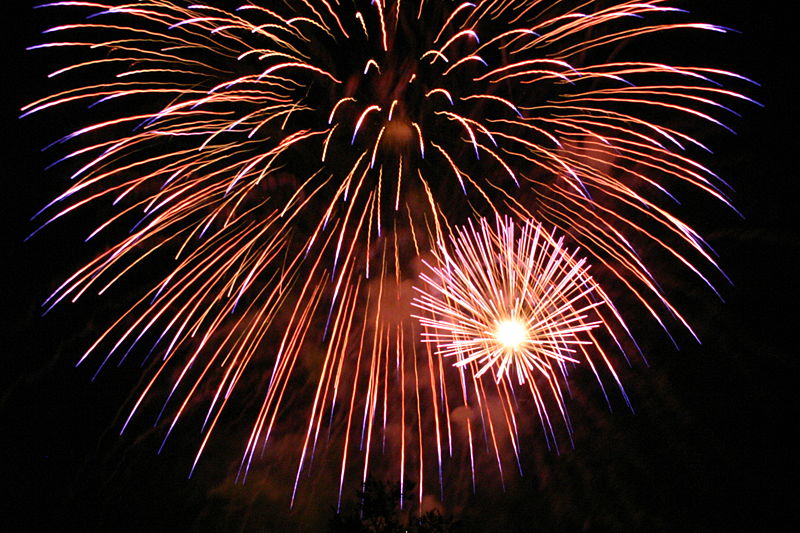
x=515 y=305
x=289 y=163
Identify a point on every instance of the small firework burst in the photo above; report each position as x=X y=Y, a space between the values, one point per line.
x=517 y=305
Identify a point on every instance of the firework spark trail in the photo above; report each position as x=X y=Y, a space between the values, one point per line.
x=289 y=163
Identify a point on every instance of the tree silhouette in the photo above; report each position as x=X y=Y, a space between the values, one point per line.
x=377 y=510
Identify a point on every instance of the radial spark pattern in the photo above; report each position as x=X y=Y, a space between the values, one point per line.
x=515 y=305
x=286 y=164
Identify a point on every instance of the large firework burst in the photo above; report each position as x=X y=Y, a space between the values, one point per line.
x=289 y=162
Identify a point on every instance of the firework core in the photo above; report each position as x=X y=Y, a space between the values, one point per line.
x=511 y=333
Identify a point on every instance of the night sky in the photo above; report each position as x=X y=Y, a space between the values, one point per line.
x=709 y=448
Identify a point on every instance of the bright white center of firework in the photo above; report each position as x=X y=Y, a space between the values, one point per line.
x=511 y=333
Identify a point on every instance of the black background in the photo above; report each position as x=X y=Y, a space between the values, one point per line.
x=711 y=447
